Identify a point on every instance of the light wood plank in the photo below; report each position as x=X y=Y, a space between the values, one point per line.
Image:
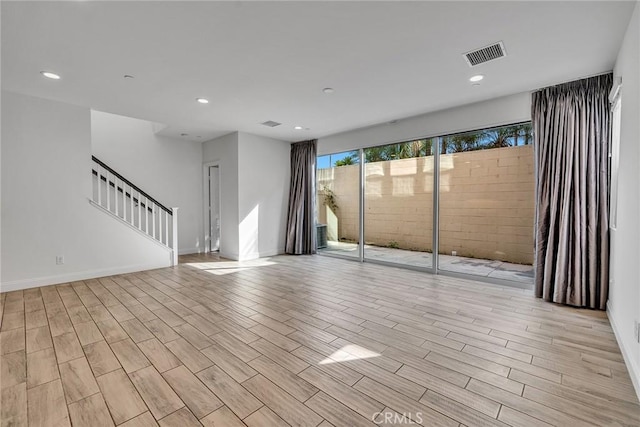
x=46 y=406
x=350 y=397
x=156 y=393
x=42 y=367
x=235 y=346
x=13 y=405
x=67 y=347
x=136 y=330
x=12 y=341
x=129 y=355
x=291 y=383
x=282 y=403
x=403 y=405
x=239 y=400
x=77 y=380
x=276 y=338
x=236 y=368
x=193 y=336
x=13 y=369
x=285 y=359
x=142 y=420
x=453 y=392
x=101 y=358
x=335 y=412
x=88 y=333
x=112 y=331
x=162 y=331
x=159 y=355
x=180 y=418
x=198 y=398
x=121 y=397
x=189 y=355
x=38 y=339
x=36 y=319
x=515 y=418
x=90 y=411
x=222 y=417
x=265 y=417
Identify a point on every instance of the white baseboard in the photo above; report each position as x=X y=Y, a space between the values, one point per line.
x=255 y=255
x=229 y=255
x=189 y=251
x=16 y=285
x=271 y=253
x=632 y=365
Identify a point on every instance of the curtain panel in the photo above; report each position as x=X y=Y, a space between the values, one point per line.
x=301 y=227
x=571 y=124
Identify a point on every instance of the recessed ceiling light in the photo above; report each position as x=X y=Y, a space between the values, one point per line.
x=298 y=127
x=202 y=100
x=328 y=90
x=50 y=75
x=476 y=78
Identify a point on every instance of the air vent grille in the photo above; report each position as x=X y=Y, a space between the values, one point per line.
x=485 y=54
x=271 y=123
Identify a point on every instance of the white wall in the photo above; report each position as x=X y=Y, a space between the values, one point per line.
x=224 y=151
x=254 y=193
x=494 y=112
x=168 y=169
x=46 y=184
x=624 y=295
x=264 y=169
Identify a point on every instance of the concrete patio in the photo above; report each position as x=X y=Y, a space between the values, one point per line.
x=478 y=267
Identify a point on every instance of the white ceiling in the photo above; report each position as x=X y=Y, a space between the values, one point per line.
x=270 y=60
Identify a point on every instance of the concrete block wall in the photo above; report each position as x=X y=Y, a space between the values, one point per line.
x=486 y=203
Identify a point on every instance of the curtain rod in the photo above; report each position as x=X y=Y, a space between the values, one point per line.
x=574 y=80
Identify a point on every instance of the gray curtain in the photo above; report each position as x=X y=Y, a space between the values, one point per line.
x=301 y=227
x=571 y=124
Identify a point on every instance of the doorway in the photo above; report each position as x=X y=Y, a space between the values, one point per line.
x=213 y=212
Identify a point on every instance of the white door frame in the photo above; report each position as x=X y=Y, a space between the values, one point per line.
x=206 y=194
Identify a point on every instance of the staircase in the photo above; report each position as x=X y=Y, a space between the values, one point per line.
x=120 y=198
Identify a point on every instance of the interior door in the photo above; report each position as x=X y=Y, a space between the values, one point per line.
x=214 y=208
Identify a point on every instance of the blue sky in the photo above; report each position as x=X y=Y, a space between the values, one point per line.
x=330 y=159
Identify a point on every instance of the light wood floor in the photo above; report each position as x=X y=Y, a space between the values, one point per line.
x=304 y=341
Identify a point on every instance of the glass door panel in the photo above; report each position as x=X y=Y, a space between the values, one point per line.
x=486 y=203
x=337 y=204
x=398 y=208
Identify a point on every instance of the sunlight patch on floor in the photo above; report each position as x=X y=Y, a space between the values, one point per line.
x=220 y=268
x=349 y=352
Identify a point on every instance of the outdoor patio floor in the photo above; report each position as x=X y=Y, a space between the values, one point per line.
x=478 y=267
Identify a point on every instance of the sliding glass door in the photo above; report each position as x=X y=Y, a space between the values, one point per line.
x=479 y=184
x=337 y=204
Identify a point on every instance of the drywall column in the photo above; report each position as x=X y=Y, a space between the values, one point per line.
x=624 y=295
x=224 y=151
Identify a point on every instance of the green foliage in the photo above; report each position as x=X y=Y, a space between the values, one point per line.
x=393 y=244
x=351 y=159
x=329 y=198
x=506 y=136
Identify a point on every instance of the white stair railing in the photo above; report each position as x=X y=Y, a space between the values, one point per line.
x=123 y=199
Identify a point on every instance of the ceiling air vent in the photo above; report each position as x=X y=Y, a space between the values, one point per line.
x=485 y=54
x=271 y=123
